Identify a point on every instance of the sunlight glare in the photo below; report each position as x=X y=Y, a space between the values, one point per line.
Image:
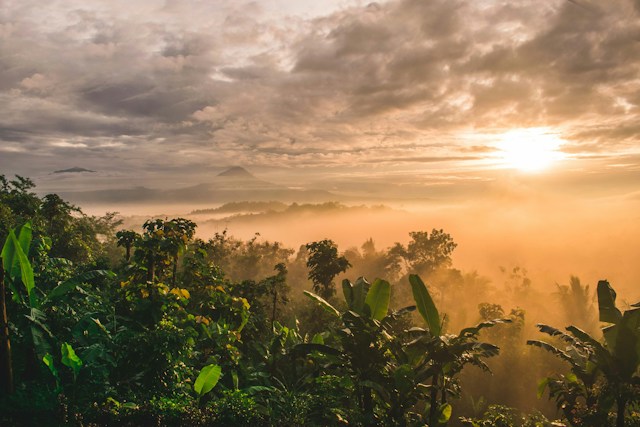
x=529 y=150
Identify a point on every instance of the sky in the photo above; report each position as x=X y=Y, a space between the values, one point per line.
x=343 y=95
x=513 y=124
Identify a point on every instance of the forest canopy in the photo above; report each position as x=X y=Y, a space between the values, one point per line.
x=156 y=326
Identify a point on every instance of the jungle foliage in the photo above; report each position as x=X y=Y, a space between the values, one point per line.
x=104 y=326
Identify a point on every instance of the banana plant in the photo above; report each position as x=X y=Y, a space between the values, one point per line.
x=15 y=267
x=435 y=358
x=18 y=270
x=364 y=339
x=602 y=374
x=277 y=366
x=402 y=372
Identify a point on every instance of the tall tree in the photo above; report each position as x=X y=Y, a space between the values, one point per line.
x=18 y=203
x=127 y=238
x=324 y=265
x=424 y=254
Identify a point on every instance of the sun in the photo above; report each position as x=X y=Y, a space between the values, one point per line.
x=529 y=150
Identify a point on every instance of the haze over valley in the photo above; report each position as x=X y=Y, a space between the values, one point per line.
x=186 y=185
x=513 y=220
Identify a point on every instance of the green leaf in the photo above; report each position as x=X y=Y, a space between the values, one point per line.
x=605 y=360
x=317 y=339
x=404 y=378
x=8 y=255
x=575 y=363
x=360 y=289
x=48 y=360
x=255 y=389
x=11 y=248
x=610 y=334
x=542 y=386
x=323 y=303
x=71 y=284
x=307 y=348
x=24 y=237
x=207 y=379
x=70 y=358
x=444 y=412
x=426 y=307
x=129 y=405
x=234 y=379
x=60 y=290
x=100 y=326
x=40 y=343
x=627 y=343
x=26 y=272
x=38 y=329
x=607 y=303
x=475 y=330
x=378 y=299
x=347 y=290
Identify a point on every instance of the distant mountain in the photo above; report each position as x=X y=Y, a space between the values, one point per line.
x=236 y=172
x=235 y=184
x=74 y=170
x=243 y=207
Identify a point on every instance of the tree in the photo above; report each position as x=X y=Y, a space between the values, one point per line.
x=162 y=243
x=602 y=374
x=18 y=203
x=364 y=340
x=278 y=289
x=370 y=261
x=400 y=371
x=324 y=265
x=576 y=300
x=441 y=357
x=127 y=238
x=425 y=253
x=178 y=232
x=74 y=235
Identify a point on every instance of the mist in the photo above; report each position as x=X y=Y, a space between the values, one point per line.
x=550 y=238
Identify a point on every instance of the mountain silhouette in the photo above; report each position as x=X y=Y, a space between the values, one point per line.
x=236 y=172
x=235 y=184
x=74 y=169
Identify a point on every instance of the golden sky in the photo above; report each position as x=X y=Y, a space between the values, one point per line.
x=433 y=96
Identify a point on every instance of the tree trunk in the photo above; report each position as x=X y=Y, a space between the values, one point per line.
x=367 y=403
x=622 y=403
x=151 y=271
x=175 y=271
x=275 y=302
x=433 y=409
x=6 y=369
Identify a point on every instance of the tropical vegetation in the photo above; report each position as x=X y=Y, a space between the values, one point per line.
x=105 y=326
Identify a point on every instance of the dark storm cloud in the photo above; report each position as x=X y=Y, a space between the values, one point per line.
x=184 y=83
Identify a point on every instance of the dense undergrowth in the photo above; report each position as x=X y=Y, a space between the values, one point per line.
x=112 y=327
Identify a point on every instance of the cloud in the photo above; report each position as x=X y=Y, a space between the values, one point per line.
x=173 y=84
